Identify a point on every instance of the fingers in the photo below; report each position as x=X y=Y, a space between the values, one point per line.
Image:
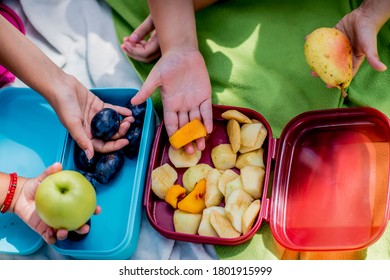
x=110 y=146
x=79 y=135
x=55 y=167
x=151 y=83
x=375 y=62
x=135 y=45
x=142 y=30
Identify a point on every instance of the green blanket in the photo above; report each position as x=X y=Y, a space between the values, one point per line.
x=254 y=53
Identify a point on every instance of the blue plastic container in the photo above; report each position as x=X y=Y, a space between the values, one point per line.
x=32 y=138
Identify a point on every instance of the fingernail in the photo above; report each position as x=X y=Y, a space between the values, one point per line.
x=134 y=38
x=89 y=154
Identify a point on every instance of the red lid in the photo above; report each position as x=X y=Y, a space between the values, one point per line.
x=14 y=19
x=331 y=180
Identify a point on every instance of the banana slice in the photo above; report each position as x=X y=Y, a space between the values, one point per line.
x=236 y=115
x=250 y=215
x=163 y=177
x=222 y=225
x=181 y=159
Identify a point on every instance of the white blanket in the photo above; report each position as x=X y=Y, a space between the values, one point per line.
x=79 y=36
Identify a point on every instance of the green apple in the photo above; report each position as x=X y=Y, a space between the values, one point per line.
x=65 y=199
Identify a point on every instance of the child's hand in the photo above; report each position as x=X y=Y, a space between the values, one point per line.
x=24 y=207
x=361 y=27
x=138 y=47
x=185 y=91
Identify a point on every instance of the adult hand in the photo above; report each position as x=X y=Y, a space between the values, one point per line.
x=185 y=91
x=76 y=106
x=24 y=207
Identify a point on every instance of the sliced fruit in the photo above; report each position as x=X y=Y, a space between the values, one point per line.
x=254 y=158
x=258 y=143
x=213 y=195
x=186 y=222
x=194 y=202
x=226 y=177
x=232 y=186
x=250 y=216
x=163 y=177
x=194 y=174
x=205 y=227
x=188 y=133
x=234 y=134
x=253 y=180
x=174 y=195
x=181 y=159
x=223 y=156
x=222 y=225
x=236 y=115
x=237 y=203
x=249 y=132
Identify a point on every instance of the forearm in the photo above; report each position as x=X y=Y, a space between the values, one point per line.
x=175 y=24
x=20 y=56
x=377 y=10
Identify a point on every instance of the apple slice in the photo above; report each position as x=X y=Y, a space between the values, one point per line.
x=213 y=196
x=254 y=158
x=232 y=186
x=236 y=115
x=223 y=156
x=186 y=222
x=226 y=177
x=249 y=132
x=194 y=174
x=253 y=180
x=239 y=200
x=163 y=177
x=234 y=134
x=258 y=142
x=181 y=159
x=205 y=227
x=250 y=215
x=222 y=225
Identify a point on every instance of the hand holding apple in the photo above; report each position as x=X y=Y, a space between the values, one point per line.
x=24 y=207
x=65 y=199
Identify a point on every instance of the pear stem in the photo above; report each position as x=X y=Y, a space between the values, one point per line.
x=343 y=93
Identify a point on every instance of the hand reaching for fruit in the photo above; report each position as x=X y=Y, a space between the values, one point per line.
x=24 y=207
x=361 y=27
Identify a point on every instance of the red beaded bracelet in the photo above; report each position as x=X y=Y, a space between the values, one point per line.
x=10 y=194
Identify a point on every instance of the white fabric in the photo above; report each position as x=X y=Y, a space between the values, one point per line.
x=79 y=36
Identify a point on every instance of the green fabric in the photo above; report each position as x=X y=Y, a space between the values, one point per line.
x=254 y=53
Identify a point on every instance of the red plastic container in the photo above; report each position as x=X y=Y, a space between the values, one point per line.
x=330 y=180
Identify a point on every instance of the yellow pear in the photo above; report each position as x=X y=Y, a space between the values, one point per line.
x=329 y=54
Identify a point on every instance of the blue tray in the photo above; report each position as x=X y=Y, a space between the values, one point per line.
x=32 y=138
